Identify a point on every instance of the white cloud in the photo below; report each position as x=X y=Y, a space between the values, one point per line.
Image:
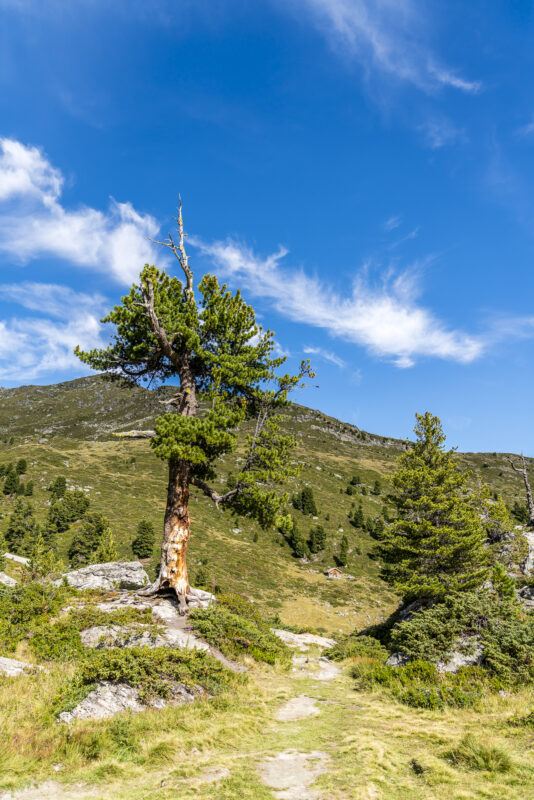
x=34 y=223
x=388 y=36
x=327 y=355
x=387 y=319
x=32 y=346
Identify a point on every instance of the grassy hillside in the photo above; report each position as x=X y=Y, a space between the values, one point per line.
x=67 y=429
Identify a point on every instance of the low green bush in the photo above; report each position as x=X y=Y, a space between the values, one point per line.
x=24 y=608
x=420 y=685
x=499 y=624
x=236 y=628
x=61 y=641
x=353 y=646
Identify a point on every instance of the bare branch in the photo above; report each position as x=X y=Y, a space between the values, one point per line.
x=179 y=249
x=212 y=494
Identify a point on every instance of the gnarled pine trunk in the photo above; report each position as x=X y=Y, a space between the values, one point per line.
x=176 y=532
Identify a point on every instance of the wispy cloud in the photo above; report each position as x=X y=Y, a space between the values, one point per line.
x=388 y=36
x=387 y=320
x=34 y=346
x=439 y=132
x=326 y=355
x=526 y=130
x=34 y=223
x=393 y=222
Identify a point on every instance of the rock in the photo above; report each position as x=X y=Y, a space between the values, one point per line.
x=302 y=640
x=327 y=670
x=528 y=564
x=113 y=575
x=102 y=636
x=297 y=708
x=467 y=652
x=109 y=699
x=397 y=660
x=526 y=595
x=12 y=668
x=291 y=774
x=18 y=559
x=6 y=580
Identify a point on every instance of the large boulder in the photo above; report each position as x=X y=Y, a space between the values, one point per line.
x=468 y=652
x=113 y=575
x=7 y=580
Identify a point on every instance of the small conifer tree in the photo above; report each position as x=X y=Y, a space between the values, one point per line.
x=11 y=483
x=436 y=546
x=28 y=489
x=87 y=539
x=343 y=554
x=143 y=544
x=22 y=528
x=58 y=488
x=42 y=563
x=22 y=466
x=106 y=550
x=358 y=519
x=377 y=488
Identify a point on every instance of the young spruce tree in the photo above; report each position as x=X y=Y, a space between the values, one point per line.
x=436 y=545
x=208 y=341
x=143 y=544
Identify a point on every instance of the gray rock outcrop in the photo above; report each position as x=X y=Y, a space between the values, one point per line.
x=104 y=636
x=467 y=652
x=6 y=580
x=113 y=575
x=12 y=668
x=302 y=640
x=109 y=699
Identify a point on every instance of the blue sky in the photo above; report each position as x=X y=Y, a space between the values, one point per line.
x=363 y=170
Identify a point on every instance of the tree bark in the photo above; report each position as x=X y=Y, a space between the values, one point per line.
x=530 y=503
x=176 y=533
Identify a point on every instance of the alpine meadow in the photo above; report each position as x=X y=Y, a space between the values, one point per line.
x=266 y=465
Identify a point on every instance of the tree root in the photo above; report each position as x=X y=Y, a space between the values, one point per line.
x=163 y=587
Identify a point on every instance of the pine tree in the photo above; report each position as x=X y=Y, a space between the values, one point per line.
x=28 y=490
x=22 y=466
x=377 y=488
x=106 y=550
x=87 y=539
x=58 y=488
x=42 y=561
x=343 y=554
x=207 y=340
x=307 y=502
x=143 y=544
x=22 y=528
x=358 y=519
x=355 y=480
x=317 y=540
x=436 y=546
x=11 y=483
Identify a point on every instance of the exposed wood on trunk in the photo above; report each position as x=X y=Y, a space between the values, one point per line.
x=524 y=474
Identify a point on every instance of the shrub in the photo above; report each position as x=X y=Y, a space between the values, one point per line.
x=87 y=539
x=504 y=632
x=235 y=627
x=353 y=646
x=61 y=640
x=22 y=466
x=23 y=608
x=58 y=488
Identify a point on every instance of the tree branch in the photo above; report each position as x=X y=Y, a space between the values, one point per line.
x=179 y=250
x=212 y=494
